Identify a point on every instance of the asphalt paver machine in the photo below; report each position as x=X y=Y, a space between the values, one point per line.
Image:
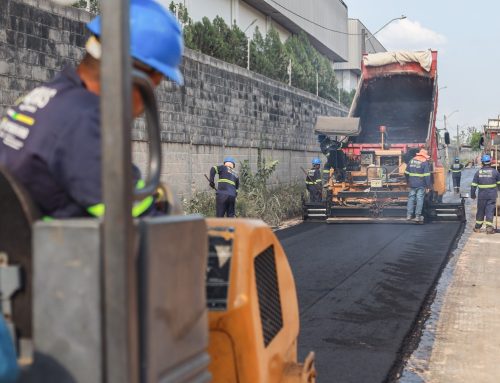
x=392 y=117
x=165 y=299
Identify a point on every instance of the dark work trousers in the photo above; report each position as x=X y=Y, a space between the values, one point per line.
x=224 y=205
x=456 y=180
x=485 y=212
x=314 y=193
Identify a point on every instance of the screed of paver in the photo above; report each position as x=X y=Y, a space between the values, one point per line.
x=467 y=347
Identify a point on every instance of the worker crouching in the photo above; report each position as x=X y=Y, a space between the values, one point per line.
x=418 y=176
x=313 y=181
x=487 y=180
x=227 y=187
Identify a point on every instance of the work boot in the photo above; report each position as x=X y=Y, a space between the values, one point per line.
x=490 y=230
x=477 y=229
x=419 y=219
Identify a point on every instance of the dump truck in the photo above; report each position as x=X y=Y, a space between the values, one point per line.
x=392 y=116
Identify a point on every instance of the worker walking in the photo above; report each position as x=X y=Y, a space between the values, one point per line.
x=51 y=140
x=487 y=180
x=227 y=187
x=456 y=174
x=313 y=181
x=418 y=176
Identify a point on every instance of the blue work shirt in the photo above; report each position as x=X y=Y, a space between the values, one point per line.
x=456 y=170
x=51 y=143
x=418 y=174
x=228 y=182
x=487 y=180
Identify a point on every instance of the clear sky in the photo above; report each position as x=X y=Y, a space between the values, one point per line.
x=467 y=37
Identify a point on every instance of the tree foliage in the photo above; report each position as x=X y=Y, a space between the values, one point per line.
x=93 y=6
x=475 y=140
x=269 y=56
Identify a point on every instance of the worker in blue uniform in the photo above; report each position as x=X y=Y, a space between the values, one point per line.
x=487 y=180
x=227 y=187
x=456 y=174
x=9 y=370
x=51 y=140
x=418 y=177
x=314 y=181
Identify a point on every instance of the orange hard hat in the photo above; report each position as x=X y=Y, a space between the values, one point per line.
x=423 y=153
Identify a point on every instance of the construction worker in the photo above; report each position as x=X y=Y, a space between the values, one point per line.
x=418 y=176
x=313 y=181
x=456 y=174
x=9 y=370
x=227 y=187
x=51 y=140
x=487 y=180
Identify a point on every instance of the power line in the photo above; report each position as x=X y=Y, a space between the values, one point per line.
x=313 y=22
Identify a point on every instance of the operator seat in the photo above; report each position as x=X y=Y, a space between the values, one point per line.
x=17 y=215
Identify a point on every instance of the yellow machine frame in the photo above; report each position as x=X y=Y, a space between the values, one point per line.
x=237 y=345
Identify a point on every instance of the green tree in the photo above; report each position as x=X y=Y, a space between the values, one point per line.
x=474 y=140
x=94 y=5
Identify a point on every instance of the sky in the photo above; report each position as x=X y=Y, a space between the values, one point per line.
x=466 y=35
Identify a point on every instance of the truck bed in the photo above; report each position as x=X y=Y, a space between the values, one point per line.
x=401 y=102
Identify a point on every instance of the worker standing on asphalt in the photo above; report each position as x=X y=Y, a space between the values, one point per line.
x=313 y=181
x=418 y=176
x=456 y=174
x=227 y=187
x=51 y=140
x=487 y=180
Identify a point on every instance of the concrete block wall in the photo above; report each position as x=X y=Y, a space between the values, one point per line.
x=222 y=109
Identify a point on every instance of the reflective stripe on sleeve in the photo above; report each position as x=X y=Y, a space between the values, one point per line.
x=138 y=208
x=418 y=174
x=489 y=186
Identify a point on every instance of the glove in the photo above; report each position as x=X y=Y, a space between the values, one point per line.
x=212 y=185
x=473 y=196
x=166 y=202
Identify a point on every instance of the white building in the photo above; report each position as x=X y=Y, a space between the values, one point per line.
x=325 y=23
x=360 y=41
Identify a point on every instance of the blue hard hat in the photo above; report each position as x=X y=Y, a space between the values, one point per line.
x=321 y=138
x=155 y=37
x=230 y=159
x=486 y=158
x=316 y=161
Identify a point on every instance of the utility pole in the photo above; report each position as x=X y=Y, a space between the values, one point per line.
x=446 y=145
x=317 y=84
x=248 y=53
x=290 y=72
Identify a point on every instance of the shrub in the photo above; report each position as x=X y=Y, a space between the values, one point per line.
x=255 y=199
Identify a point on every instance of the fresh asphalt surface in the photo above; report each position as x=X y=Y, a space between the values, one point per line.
x=361 y=288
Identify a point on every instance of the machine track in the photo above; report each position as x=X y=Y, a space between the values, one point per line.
x=361 y=288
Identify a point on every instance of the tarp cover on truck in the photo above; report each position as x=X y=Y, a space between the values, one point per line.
x=424 y=58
